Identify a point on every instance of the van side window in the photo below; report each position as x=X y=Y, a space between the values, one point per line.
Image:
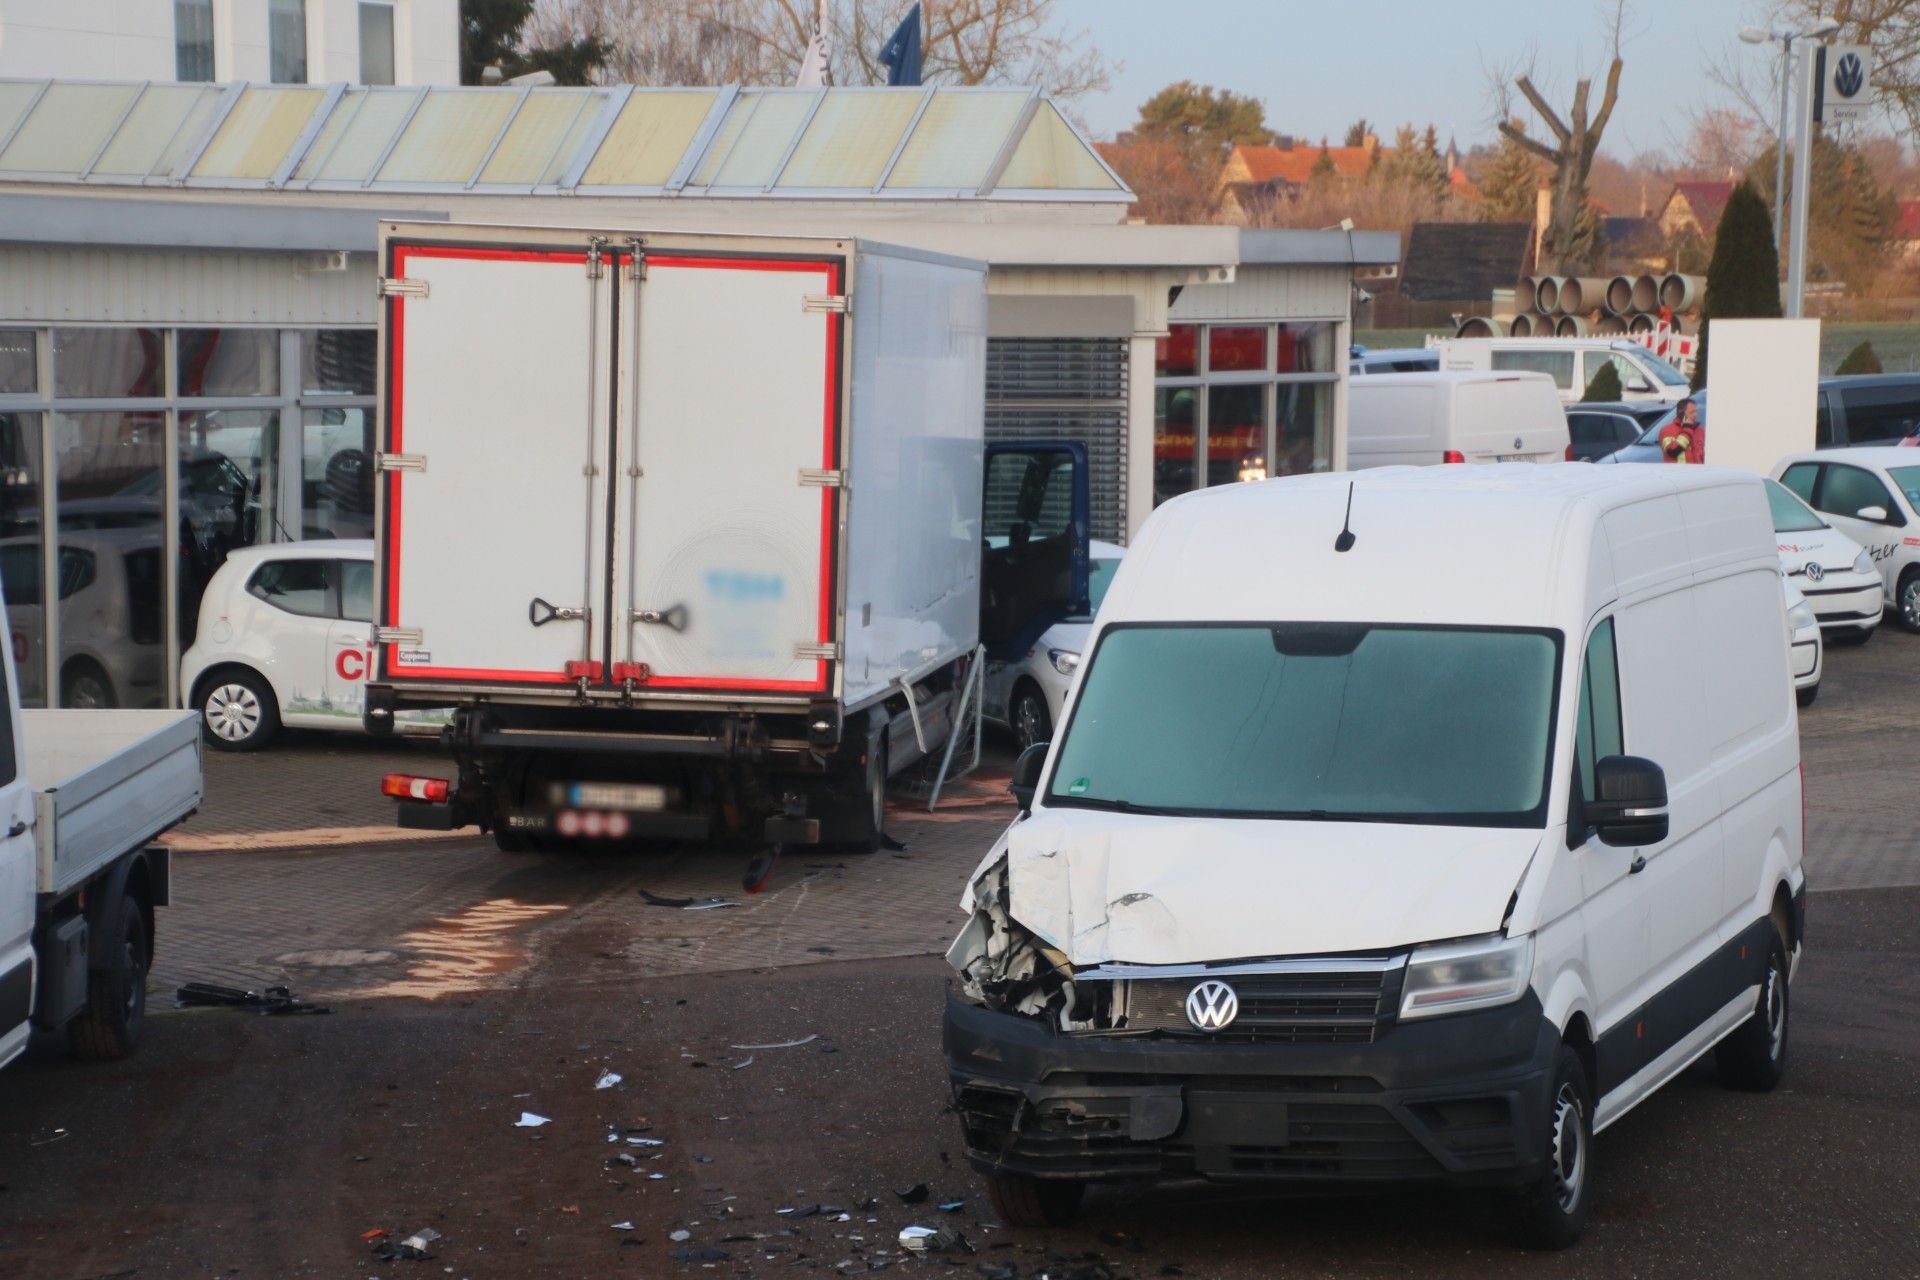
x=1881 y=415
x=1823 y=424
x=1800 y=477
x=1557 y=365
x=1598 y=732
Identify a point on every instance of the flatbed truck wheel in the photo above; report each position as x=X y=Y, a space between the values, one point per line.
x=109 y=1027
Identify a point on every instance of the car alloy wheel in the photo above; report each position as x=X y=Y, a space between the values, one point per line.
x=233 y=712
x=1910 y=602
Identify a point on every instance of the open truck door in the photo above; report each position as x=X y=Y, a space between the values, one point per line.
x=1035 y=525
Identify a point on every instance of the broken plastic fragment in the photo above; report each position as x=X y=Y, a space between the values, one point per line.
x=680 y=1235
x=272 y=1000
x=686 y=904
x=784 y=1044
x=953 y=1206
x=645 y=1142
x=916 y=1194
x=622 y=1226
x=739 y=1065
x=931 y=1240
x=607 y=1080
x=529 y=1120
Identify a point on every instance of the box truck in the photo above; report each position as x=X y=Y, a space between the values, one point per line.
x=697 y=536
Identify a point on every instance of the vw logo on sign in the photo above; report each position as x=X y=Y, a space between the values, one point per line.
x=1850 y=76
x=1516 y=442
x=1815 y=572
x=1212 y=1005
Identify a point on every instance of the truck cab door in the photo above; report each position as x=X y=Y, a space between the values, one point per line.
x=18 y=872
x=1034 y=530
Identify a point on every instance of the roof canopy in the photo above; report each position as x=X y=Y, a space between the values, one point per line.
x=938 y=143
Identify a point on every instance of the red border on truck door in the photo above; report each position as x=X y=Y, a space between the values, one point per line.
x=829 y=458
x=396 y=386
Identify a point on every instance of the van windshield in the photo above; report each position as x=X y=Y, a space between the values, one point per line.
x=1661 y=369
x=1324 y=721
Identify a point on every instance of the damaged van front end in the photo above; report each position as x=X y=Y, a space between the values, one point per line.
x=1316 y=1068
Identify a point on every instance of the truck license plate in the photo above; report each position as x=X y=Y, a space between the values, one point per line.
x=632 y=796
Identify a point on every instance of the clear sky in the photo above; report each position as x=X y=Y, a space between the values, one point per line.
x=1319 y=64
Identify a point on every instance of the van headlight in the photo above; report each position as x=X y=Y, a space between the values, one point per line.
x=1065 y=661
x=1863 y=563
x=1800 y=617
x=1470 y=975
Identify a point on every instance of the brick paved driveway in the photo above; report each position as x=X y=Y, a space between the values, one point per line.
x=291 y=872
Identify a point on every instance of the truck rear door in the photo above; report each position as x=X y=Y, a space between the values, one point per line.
x=494 y=462
x=724 y=547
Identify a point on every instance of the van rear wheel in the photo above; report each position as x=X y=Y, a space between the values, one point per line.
x=1022 y=1200
x=1553 y=1212
x=1755 y=1055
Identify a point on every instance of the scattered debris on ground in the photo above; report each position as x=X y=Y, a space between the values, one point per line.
x=686 y=904
x=784 y=1044
x=531 y=1120
x=273 y=1000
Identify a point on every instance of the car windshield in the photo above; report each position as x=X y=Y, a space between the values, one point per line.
x=1790 y=515
x=1099 y=576
x=1325 y=721
x=1661 y=369
x=1907 y=480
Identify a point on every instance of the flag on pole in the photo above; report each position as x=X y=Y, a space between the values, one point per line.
x=815 y=73
x=901 y=54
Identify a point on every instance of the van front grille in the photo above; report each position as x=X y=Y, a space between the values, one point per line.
x=1275 y=1008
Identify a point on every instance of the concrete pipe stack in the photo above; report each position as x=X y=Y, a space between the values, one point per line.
x=1575 y=306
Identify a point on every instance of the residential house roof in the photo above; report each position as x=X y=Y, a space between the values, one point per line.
x=1704 y=201
x=1464 y=261
x=1908 y=226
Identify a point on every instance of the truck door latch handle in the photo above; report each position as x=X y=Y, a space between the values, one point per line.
x=674 y=619
x=1638 y=864
x=16 y=830
x=540 y=613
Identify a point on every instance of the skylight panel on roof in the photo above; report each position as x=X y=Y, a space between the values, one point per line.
x=763 y=140
x=1051 y=157
x=67 y=128
x=649 y=139
x=355 y=136
x=957 y=140
x=162 y=124
x=539 y=128
x=258 y=132
x=448 y=136
x=850 y=140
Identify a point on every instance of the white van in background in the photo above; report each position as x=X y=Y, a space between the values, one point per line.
x=1422 y=418
x=1570 y=362
x=1413 y=858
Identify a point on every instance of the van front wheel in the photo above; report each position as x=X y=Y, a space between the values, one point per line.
x=1755 y=1055
x=1022 y=1200
x=1553 y=1212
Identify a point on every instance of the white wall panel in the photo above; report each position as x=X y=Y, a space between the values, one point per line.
x=1269 y=293
x=129 y=286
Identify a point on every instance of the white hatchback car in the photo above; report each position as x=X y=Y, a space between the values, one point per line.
x=284 y=639
x=1835 y=574
x=1026 y=696
x=1871 y=494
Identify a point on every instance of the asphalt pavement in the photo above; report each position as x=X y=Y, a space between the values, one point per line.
x=467 y=987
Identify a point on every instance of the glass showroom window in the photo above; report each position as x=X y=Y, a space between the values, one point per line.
x=1241 y=401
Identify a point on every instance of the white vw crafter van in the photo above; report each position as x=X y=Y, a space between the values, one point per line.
x=1414 y=854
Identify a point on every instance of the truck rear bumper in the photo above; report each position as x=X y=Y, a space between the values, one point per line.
x=1461 y=1099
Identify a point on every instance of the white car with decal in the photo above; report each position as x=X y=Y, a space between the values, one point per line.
x=1871 y=494
x=1839 y=579
x=1027 y=695
x=1805 y=648
x=284 y=639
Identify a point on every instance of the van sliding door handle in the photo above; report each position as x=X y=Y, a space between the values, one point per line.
x=17 y=830
x=1638 y=864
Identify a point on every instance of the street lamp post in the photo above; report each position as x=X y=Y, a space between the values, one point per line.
x=1785 y=38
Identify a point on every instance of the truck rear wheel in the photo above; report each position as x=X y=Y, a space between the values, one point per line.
x=108 y=1029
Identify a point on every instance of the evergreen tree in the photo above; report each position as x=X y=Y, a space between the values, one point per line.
x=1862 y=359
x=1323 y=170
x=1357 y=132
x=490 y=37
x=1743 y=280
x=1605 y=387
x=1413 y=163
x=1849 y=215
x=1510 y=183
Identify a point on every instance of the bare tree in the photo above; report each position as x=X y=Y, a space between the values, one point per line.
x=964 y=42
x=1571 y=237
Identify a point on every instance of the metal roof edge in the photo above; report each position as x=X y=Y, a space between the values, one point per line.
x=1291 y=248
x=171 y=223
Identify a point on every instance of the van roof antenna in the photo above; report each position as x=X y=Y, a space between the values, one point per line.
x=1346 y=539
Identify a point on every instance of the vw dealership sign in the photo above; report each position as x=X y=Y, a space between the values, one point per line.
x=1846 y=89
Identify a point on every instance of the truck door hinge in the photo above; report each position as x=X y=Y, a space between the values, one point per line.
x=402 y=287
x=808 y=649
x=596 y=247
x=398 y=635
x=821 y=478
x=399 y=462
x=826 y=304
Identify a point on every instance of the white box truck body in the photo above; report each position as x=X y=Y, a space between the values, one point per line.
x=688 y=529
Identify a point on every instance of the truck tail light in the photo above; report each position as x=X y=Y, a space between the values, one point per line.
x=404 y=786
x=1453 y=455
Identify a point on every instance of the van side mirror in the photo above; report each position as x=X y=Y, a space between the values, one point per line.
x=1631 y=805
x=1026 y=775
x=1876 y=514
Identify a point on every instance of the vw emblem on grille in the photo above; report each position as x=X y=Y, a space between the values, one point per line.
x=1815 y=572
x=1212 y=1005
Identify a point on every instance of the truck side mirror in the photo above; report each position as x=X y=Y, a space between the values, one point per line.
x=1026 y=775
x=1877 y=514
x=1630 y=805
